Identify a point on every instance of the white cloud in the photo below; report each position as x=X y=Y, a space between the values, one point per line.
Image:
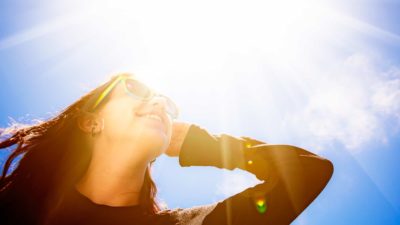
x=350 y=104
x=386 y=97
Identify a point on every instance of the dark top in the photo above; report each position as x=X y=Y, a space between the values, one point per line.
x=293 y=178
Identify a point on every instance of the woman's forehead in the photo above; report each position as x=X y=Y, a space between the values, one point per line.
x=127 y=75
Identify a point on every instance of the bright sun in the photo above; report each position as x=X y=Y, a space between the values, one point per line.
x=182 y=33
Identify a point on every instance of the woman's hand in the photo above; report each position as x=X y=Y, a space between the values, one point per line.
x=179 y=131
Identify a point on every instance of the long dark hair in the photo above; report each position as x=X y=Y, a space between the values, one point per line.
x=52 y=158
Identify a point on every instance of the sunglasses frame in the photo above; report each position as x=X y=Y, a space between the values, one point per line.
x=122 y=78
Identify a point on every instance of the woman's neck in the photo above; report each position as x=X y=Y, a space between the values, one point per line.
x=112 y=181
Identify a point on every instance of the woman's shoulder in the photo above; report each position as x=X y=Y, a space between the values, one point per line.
x=191 y=215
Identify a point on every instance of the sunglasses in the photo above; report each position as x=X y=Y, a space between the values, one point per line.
x=138 y=91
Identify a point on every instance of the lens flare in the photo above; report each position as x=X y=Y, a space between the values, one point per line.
x=261 y=205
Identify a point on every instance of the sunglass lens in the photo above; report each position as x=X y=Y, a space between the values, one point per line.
x=142 y=91
x=172 y=109
x=137 y=88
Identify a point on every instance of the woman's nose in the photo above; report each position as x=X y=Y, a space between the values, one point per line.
x=158 y=102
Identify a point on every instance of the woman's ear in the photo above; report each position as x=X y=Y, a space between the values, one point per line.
x=90 y=122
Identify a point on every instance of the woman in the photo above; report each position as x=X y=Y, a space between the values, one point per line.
x=91 y=164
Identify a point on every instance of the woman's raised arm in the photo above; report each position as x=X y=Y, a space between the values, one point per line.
x=293 y=177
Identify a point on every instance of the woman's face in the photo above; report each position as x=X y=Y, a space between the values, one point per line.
x=127 y=122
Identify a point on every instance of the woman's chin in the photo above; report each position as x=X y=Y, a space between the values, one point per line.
x=155 y=138
x=154 y=133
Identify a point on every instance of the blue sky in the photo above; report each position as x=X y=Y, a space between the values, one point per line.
x=322 y=75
